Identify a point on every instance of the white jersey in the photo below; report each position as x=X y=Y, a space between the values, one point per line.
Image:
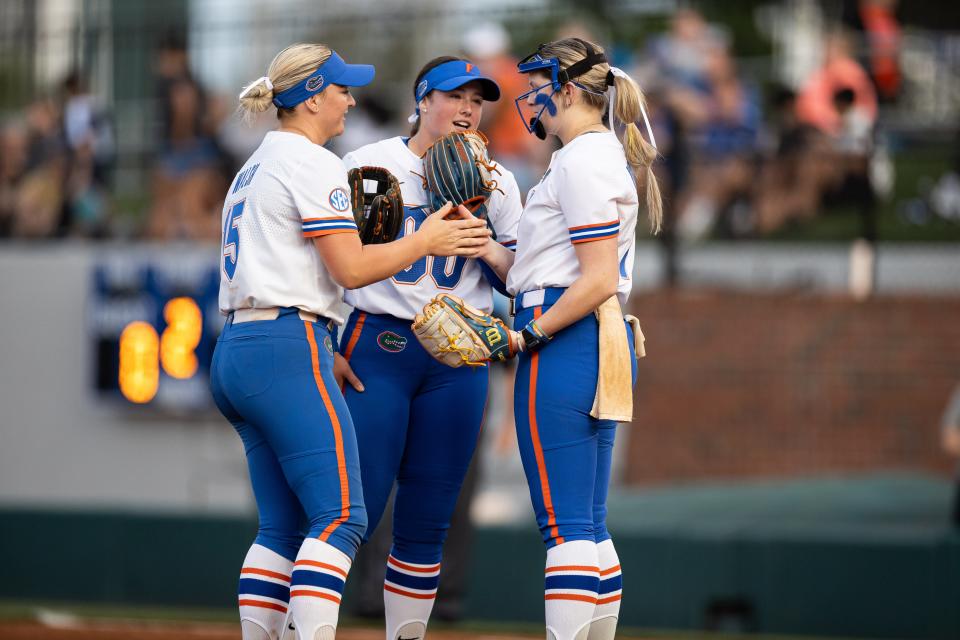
x=404 y=294
x=588 y=193
x=289 y=192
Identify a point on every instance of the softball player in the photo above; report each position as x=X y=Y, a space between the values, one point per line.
x=418 y=421
x=289 y=246
x=575 y=250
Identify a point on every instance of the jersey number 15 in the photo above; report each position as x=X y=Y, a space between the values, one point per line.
x=231 y=240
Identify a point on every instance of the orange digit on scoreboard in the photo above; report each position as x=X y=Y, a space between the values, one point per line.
x=181 y=337
x=143 y=352
x=139 y=369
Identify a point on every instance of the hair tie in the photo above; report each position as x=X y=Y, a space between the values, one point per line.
x=616 y=72
x=265 y=80
x=413 y=117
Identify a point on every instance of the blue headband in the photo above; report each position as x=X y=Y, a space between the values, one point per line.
x=453 y=75
x=333 y=71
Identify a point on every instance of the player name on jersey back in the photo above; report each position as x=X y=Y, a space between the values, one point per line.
x=289 y=192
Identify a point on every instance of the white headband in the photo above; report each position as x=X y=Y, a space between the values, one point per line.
x=618 y=72
x=265 y=80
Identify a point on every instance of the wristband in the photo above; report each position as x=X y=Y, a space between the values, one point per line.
x=534 y=337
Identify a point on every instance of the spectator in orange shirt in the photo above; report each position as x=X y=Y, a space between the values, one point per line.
x=815 y=104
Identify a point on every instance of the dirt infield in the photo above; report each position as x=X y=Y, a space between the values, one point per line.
x=150 y=630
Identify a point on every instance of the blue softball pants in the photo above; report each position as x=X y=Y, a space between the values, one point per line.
x=273 y=380
x=417 y=422
x=566 y=453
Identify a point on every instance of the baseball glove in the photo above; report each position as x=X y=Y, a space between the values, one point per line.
x=379 y=213
x=457 y=169
x=457 y=334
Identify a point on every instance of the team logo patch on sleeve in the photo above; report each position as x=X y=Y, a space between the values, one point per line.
x=339 y=199
x=390 y=341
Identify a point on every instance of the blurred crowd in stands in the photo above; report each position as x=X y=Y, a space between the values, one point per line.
x=55 y=166
x=738 y=158
x=728 y=169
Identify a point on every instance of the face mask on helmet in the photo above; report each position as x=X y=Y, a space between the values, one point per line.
x=537 y=62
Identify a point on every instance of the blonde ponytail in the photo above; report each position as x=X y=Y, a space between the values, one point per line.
x=256 y=98
x=288 y=68
x=628 y=107
x=640 y=153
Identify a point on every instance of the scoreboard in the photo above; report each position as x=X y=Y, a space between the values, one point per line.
x=154 y=321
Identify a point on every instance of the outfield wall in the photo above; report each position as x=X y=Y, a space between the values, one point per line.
x=63 y=446
x=866 y=557
x=103 y=503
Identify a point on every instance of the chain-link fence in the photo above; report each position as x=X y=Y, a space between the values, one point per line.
x=122 y=57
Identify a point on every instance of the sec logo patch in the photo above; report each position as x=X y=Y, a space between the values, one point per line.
x=339 y=200
x=389 y=341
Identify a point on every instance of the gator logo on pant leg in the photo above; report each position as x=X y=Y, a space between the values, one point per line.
x=390 y=341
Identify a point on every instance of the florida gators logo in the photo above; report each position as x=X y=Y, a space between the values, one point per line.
x=314 y=83
x=422 y=88
x=328 y=343
x=391 y=342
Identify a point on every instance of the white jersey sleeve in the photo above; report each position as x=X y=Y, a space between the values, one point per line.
x=505 y=208
x=350 y=161
x=587 y=200
x=321 y=195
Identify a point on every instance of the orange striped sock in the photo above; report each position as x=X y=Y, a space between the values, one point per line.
x=316 y=587
x=409 y=591
x=604 y=624
x=263 y=592
x=572 y=577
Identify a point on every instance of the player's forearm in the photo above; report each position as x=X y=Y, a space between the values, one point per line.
x=379 y=261
x=498 y=258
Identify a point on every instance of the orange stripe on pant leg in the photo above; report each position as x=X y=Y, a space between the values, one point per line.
x=337 y=436
x=537 y=449
x=352 y=342
x=354 y=335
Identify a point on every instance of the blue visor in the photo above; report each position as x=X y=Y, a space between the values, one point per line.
x=333 y=71
x=453 y=75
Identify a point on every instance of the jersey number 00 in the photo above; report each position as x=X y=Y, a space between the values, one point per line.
x=445 y=272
